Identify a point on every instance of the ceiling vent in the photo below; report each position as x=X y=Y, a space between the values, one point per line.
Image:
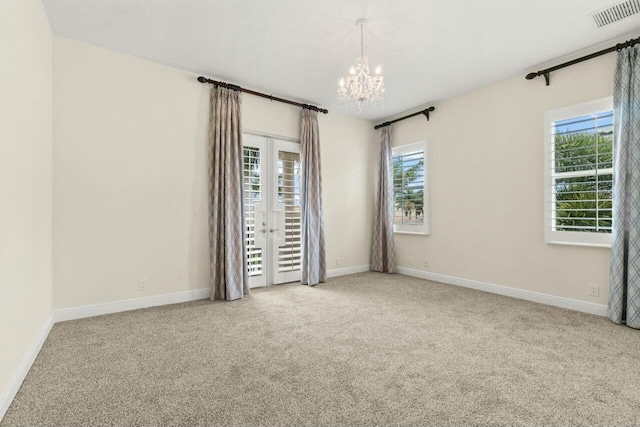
x=616 y=12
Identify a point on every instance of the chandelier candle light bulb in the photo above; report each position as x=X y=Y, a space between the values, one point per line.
x=360 y=86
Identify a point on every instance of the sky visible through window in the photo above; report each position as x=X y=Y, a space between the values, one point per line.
x=585 y=123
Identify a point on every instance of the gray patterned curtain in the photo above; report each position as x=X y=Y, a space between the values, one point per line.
x=383 y=255
x=314 y=267
x=227 y=246
x=624 y=293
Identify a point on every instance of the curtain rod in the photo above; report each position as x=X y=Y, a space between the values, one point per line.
x=617 y=47
x=426 y=112
x=216 y=83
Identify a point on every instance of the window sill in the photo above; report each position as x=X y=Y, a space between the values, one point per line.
x=412 y=233
x=587 y=245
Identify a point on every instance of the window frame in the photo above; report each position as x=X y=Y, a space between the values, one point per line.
x=575 y=238
x=423 y=229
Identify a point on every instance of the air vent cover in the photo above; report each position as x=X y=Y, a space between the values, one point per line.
x=616 y=12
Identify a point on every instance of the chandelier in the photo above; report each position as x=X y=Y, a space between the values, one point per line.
x=360 y=86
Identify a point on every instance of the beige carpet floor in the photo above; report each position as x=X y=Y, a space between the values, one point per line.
x=362 y=350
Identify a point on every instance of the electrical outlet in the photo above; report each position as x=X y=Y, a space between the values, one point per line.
x=338 y=261
x=426 y=264
x=410 y=260
x=594 y=290
x=142 y=284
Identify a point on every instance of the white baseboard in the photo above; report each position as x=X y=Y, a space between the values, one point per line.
x=553 y=300
x=130 y=304
x=82 y=312
x=7 y=395
x=348 y=270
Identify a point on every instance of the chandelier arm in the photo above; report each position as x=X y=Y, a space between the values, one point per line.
x=361 y=40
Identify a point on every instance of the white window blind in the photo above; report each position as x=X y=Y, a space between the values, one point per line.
x=580 y=174
x=289 y=255
x=410 y=189
x=252 y=195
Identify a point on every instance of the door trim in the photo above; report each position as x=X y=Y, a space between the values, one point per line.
x=269 y=147
x=271 y=135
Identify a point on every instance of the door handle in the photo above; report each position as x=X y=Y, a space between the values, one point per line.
x=271 y=230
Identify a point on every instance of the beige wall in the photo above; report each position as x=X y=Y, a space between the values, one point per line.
x=487 y=194
x=130 y=147
x=25 y=181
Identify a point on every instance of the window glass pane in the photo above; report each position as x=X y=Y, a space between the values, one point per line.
x=581 y=173
x=583 y=143
x=289 y=193
x=252 y=195
x=408 y=188
x=583 y=203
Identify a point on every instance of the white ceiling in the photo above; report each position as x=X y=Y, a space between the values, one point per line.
x=430 y=50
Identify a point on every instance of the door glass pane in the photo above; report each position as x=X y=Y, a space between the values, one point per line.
x=289 y=195
x=252 y=195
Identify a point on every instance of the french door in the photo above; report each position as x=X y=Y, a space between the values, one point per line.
x=272 y=209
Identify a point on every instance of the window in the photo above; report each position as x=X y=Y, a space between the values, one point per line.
x=410 y=189
x=579 y=165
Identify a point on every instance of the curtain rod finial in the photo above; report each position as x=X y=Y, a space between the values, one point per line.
x=202 y=79
x=531 y=76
